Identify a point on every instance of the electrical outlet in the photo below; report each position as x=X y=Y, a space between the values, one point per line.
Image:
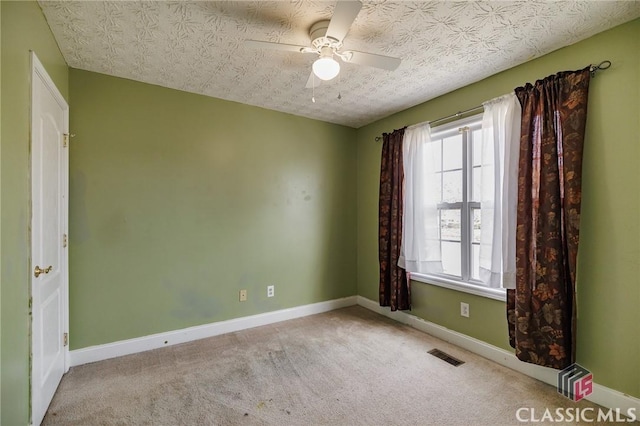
x=243 y=295
x=464 y=309
x=270 y=290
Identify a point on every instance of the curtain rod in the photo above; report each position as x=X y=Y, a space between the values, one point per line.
x=592 y=68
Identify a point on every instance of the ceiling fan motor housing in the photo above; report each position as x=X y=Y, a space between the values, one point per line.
x=318 y=32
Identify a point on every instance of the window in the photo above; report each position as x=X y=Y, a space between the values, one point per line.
x=460 y=200
x=457 y=162
x=458 y=171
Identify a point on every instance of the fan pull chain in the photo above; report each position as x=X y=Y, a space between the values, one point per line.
x=313 y=88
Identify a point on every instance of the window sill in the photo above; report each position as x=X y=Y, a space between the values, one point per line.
x=491 y=293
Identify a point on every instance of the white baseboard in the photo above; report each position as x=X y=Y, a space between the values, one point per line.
x=601 y=395
x=155 y=341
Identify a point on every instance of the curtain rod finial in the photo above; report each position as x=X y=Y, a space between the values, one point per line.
x=601 y=66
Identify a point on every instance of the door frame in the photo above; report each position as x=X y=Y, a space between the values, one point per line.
x=38 y=72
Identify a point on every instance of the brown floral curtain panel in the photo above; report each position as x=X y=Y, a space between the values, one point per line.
x=542 y=309
x=394 y=286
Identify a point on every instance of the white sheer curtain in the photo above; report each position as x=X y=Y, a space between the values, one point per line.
x=499 y=200
x=420 y=249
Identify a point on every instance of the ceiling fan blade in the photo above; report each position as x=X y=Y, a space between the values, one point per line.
x=344 y=14
x=257 y=44
x=313 y=81
x=373 y=60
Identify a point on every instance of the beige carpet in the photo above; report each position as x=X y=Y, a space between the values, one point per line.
x=346 y=367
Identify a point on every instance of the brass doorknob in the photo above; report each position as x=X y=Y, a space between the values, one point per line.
x=37 y=271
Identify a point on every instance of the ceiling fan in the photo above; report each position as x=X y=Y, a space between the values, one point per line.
x=326 y=42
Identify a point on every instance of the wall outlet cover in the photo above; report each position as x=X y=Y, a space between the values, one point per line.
x=464 y=309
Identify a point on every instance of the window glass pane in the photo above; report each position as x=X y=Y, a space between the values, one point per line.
x=450 y=225
x=451 y=258
x=475 y=261
x=452 y=186
x=438 y=182
x=476 y=225
x=452 y=152
x=436 y=150
x=477 y=147
x=476 y=186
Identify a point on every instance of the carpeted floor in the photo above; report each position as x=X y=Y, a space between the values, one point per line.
x=346 y=367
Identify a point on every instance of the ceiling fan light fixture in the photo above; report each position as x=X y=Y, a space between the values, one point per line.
x=326 y=68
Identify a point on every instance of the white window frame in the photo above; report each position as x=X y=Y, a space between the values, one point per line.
x=464 y=283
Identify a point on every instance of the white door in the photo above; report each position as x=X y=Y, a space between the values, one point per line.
x=49 y=277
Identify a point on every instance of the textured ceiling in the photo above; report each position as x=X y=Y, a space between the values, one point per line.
x=197 y=46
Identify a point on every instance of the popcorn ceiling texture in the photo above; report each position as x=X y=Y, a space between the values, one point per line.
x=198 y=47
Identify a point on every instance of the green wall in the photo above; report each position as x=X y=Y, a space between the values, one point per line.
x=608 y=270
x=0 y=213
x=23 y=29
x=178 y=201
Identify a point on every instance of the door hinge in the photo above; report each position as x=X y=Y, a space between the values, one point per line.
x=65 y=240
x=65 y=140
x=65 y=339
x=30 y=303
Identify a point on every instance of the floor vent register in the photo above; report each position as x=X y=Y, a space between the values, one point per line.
x=446 y=357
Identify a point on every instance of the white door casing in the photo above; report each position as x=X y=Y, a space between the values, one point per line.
x=49 y=224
